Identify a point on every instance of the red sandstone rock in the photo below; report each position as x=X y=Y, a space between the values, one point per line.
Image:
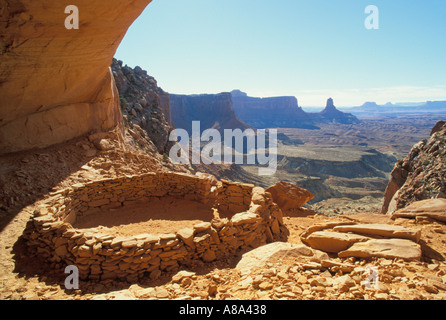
x=384 y=248
x=289 y=196
x=434 y=208
x=333 y=242
x=57 y=83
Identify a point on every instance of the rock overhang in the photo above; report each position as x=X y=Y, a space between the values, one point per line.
x=55 y=83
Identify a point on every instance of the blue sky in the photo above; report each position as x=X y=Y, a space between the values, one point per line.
x=311 y=49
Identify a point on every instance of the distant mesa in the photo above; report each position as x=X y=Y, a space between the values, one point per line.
x=238 y=93
x=372 y=109
x=284 y=112
x=237 y=110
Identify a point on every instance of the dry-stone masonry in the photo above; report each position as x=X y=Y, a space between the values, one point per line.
x=247 y=218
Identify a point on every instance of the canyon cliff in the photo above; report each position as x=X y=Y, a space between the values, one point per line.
x=143 y=103
x=212 y=110
x=274 y=112
x=55 y=83
x=421 y=175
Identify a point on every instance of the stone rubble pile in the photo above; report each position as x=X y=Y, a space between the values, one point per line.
x=296 y=272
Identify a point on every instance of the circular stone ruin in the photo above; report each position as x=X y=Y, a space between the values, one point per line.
x=130 y=226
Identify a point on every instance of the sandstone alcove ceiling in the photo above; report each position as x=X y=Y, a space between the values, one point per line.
x=55 y=84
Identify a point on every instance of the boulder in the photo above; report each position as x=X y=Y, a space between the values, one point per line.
x=384 y=248
x=276 y=251
x=433 y=208
x=288 y=196
x=333 y=242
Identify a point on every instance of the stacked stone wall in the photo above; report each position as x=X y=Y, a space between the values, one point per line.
x=249 y=219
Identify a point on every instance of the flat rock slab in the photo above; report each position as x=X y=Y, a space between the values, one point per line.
x=333 y=242
x=384 y=248
x=433 y=208
x=383 y=230
x=276 y=251
x=323 y=226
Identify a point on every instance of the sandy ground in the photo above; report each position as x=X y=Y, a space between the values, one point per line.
x=157 y=216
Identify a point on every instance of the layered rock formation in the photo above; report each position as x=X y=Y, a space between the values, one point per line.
x=56 y=83
x=214 y=111
x=143 y=103
x=421 y=175
x=284 y=112
x=275 y=112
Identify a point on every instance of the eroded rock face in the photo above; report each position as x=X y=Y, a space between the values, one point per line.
x=56 y=83
x=421 y=175
x=144 y=103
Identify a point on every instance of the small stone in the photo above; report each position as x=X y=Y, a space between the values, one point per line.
x=302 y=279
x=162 y=293
x=265 y=286
x=155 y=274
x=343 y=283
x=200 y=227
x=429 y=287
x=433 y=267
x=319 y=282
x=209 y=256
x=129 y=244
x=145 y=293
x=186 y=282
x=103 y=144
x=212 y=289
x=187 y=235
x=182 y=275
x=381 y=296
